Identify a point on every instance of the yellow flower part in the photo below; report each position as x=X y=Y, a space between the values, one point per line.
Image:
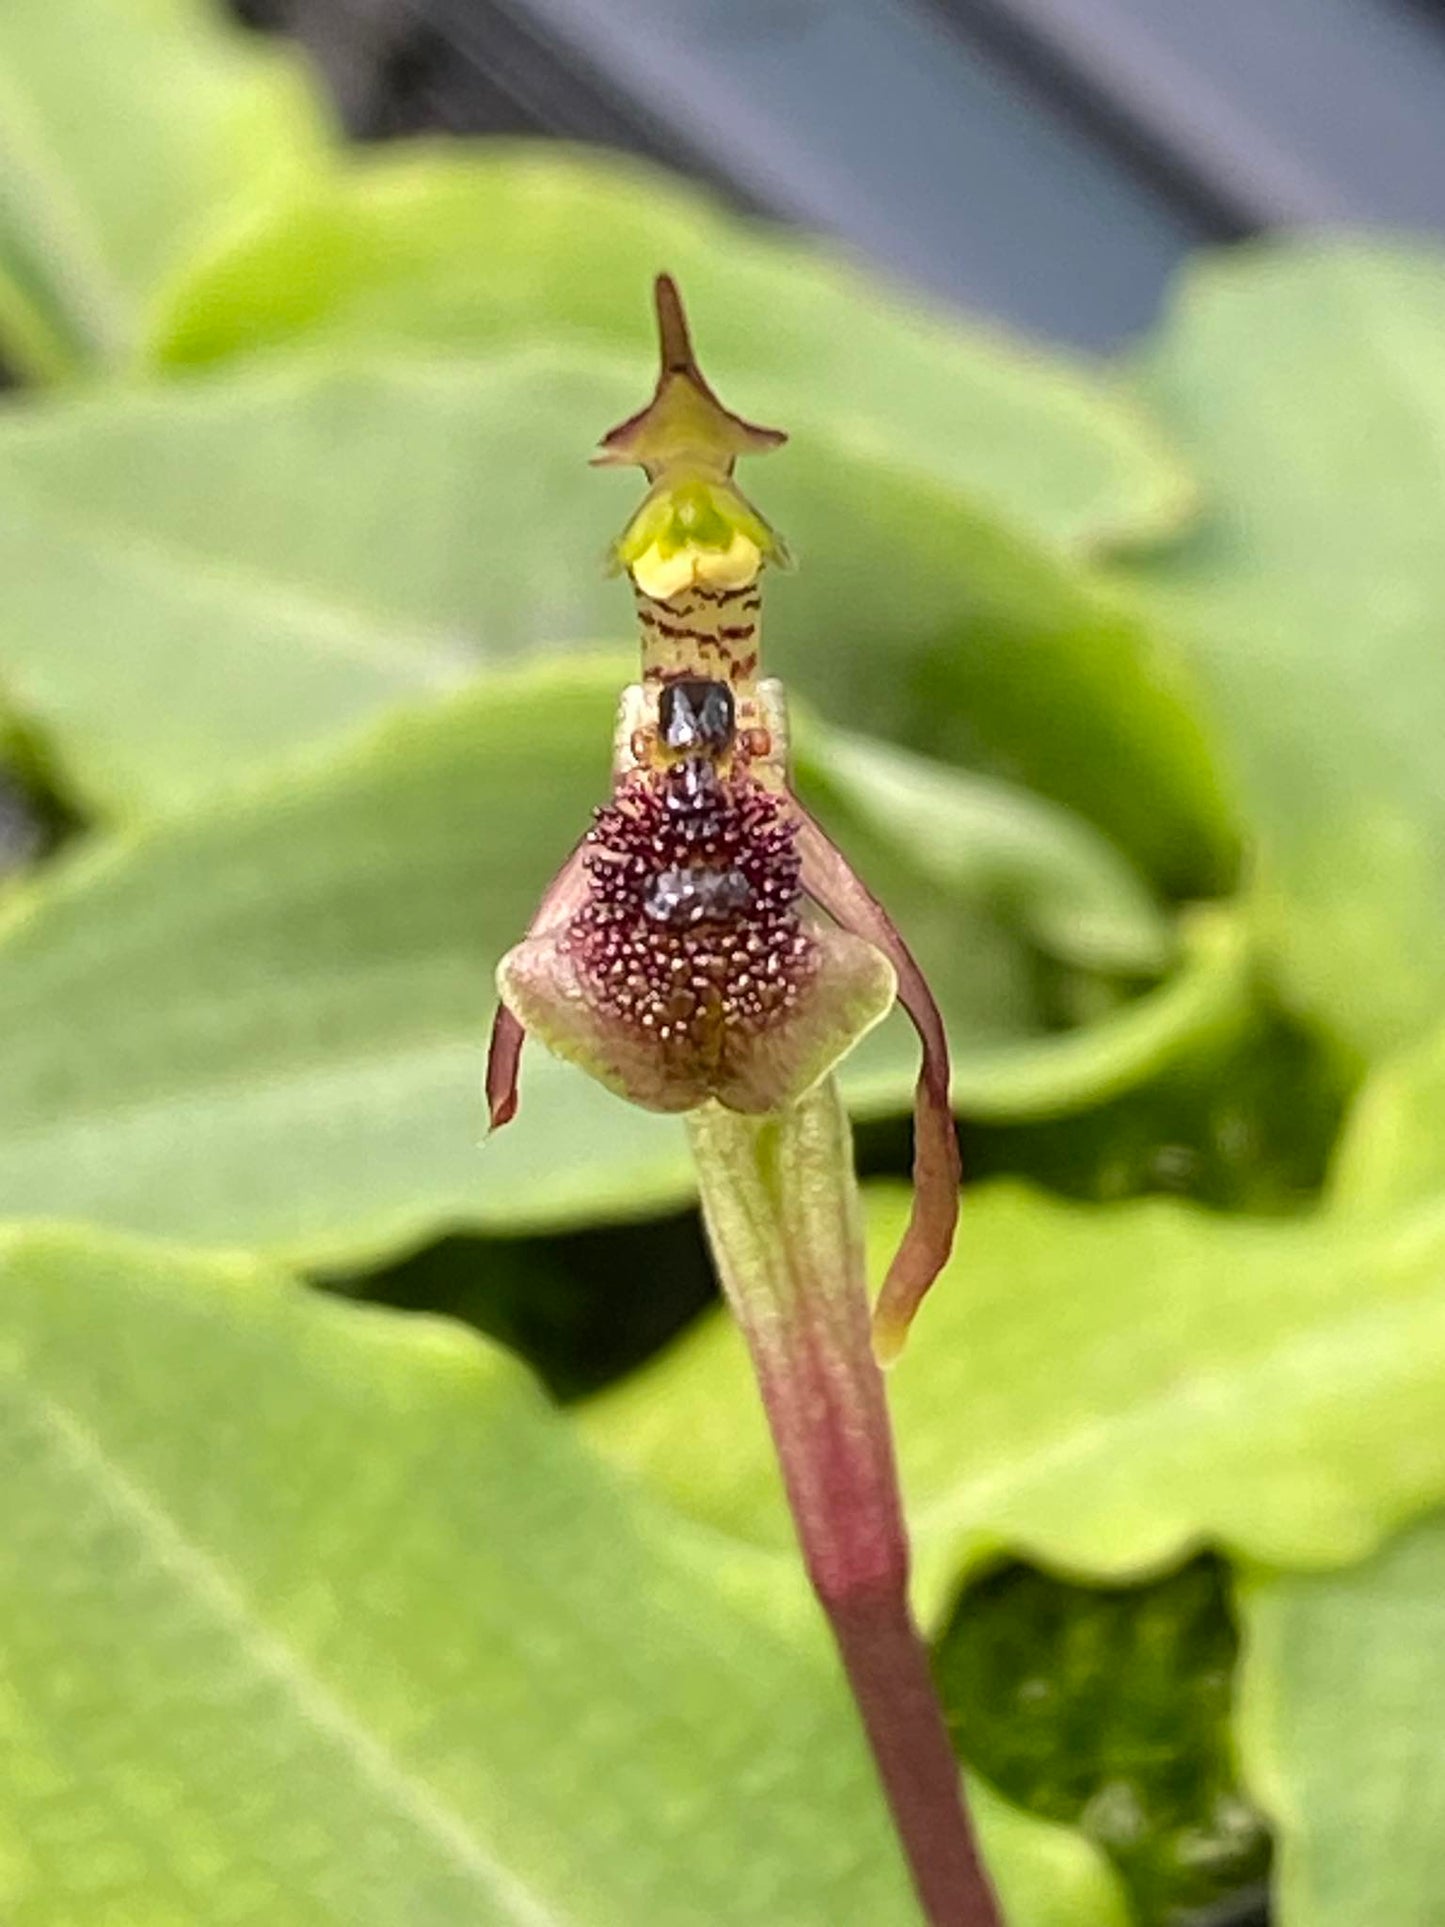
x=664 y=576
x=698 y=530
x=695 y=529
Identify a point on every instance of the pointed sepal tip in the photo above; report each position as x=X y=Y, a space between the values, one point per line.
x=684 y=425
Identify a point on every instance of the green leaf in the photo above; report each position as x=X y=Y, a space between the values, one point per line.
x=1044 y=1073
x=1044 y=1875
x=200 y=580
x=480 y=248
x=130 y=132
x=1307 y=385
x=1109 y=1709
x=315 y=1614
x=1392 y=1151
x=264 y=1025
x=943 y=838
x=319 y=1616
x=1243 y=1118
x=990 y=841
x=1343 y=1682
x=1102 y=1389
x=370 y=530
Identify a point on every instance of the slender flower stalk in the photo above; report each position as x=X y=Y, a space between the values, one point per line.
x=705 y=949
x=781 y=1206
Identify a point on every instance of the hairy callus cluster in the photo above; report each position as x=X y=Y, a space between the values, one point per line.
x=691 y=928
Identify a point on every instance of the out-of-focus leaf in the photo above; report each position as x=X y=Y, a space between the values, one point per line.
x=1043 y=867
x=1102 y=1388
x=1241 y=1118
x=197 y=581
x=1044 y=1875
x=1054 y=1073
x=1307 y=384
x=313 y=1615
x=131 y=131
x=1109 y=1709
x=476 y=250
x=1392 y=1152
x=205 y=575
x=316 y=1614
x=264 y=1025
x=1344 y=1678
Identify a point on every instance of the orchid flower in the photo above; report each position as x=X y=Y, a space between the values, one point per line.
x=706 y=949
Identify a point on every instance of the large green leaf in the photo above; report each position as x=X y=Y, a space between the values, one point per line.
x=317 y=1616
x=481 y=248
x=1307 y=384
x=202 y=576
x=1103 y=1388
x=264 y=1025
x=195 y=581
x=1344 y=1680
x=130 y=132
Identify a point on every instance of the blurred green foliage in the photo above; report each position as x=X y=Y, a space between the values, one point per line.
x=1109 y=1709
x=1123 y=686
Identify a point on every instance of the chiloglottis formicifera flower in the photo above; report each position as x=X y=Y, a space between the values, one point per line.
x=705 y=942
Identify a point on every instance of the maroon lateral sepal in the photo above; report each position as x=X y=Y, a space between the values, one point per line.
x=561 y=899
x=831 y=882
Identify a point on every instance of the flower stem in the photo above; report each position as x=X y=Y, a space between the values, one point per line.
x=781 y=1205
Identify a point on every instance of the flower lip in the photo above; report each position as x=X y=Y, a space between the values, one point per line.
x=691 y=929
x=685 y=898
x=687 y=967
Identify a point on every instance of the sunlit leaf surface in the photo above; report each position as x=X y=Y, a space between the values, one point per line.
x=130 y=132
x=1340 y=1729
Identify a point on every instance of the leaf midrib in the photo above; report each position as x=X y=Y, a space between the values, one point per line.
x=199 y=1577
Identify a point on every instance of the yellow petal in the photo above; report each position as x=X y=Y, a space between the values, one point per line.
x=663 y=576
x=731 y=568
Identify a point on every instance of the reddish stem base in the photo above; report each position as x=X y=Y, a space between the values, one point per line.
x=887 y=1666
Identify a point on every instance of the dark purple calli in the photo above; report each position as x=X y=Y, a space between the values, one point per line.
x=706 y=949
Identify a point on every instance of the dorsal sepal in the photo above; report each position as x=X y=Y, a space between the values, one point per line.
x=684 y=425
